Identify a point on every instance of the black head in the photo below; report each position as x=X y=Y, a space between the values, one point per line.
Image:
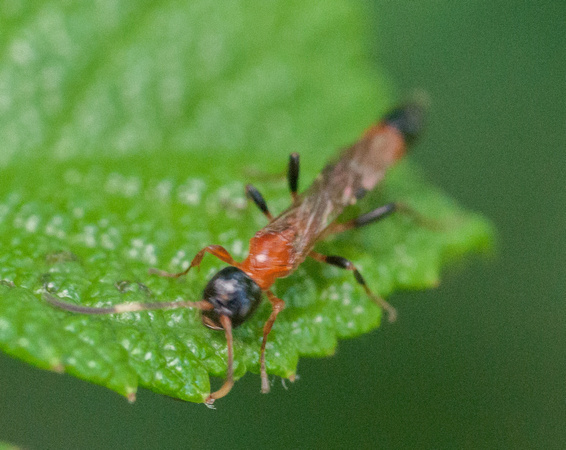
x=233 y=294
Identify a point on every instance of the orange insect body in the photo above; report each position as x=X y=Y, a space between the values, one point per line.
x=270 y=257
x=234 y=293
x=280 y=247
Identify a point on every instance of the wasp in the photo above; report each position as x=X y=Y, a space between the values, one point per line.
x=234 y=293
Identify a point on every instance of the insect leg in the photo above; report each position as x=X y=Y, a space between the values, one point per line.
x=253 y=194
x=381 y=213
x=293 y=174
x=278 y=305
x=229 y=382
x=216 y=250
x=343 y=263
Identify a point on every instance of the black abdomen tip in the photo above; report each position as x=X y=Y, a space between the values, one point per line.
x=408 y=119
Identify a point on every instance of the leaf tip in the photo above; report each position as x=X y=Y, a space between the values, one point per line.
x=131 y=396
x=58 y=367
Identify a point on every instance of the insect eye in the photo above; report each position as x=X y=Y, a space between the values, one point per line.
x=232 y=293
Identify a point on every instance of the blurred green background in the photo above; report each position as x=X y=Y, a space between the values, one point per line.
x=478 y=362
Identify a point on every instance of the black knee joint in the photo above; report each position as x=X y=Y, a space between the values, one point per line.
x=359 y=278
x=375 y=215
x=360 y=193
x=338 y=261
x=293 y=173
x=257 y=198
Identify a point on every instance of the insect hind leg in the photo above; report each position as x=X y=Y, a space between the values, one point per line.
x=363 y=220
x=381 y=213
x=344 y=263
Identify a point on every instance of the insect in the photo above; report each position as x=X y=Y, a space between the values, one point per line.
x=234 y=293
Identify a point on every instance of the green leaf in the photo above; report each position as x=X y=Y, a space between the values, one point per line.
x=6 y=446
x=130 y=131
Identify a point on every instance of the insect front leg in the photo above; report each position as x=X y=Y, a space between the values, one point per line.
x=343 y=263
x=278 y=305
x=216 y=250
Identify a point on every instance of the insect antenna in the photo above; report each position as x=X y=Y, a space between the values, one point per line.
x=125 y=307
x=229 y=382
x=203 y=305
